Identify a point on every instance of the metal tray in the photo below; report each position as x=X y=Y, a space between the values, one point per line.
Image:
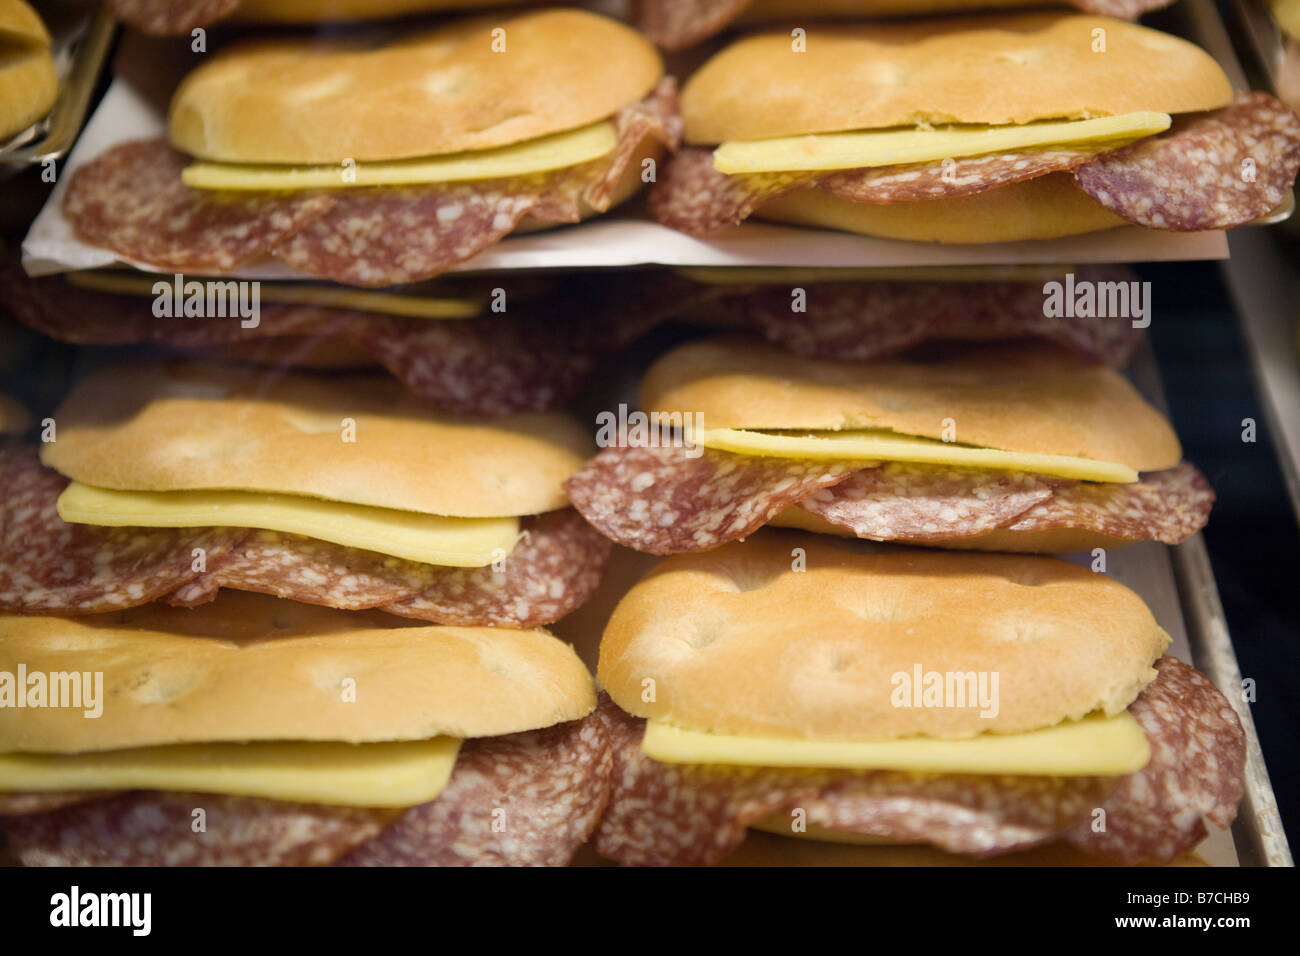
x=81 y=42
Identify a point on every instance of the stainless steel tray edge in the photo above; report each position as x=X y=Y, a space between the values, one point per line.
x=1258 y=832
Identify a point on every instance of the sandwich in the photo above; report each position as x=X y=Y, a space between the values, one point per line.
x=28 y=81
x=975 y=130
x=171 y=482
x=982 y=704
x=171 y=17
x=1003 y=447
x=384 y=162
x=257 y=731
x=475 y=346
x=860 y=315
x=675 y=24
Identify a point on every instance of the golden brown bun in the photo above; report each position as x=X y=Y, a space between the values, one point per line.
x=326 y=11
x=1287 y=14
x=155 y=427
x=28 y=81
x=1033 y=398
x=250 y=667
x=440 y=91
x=739 y=643
x=767 y=849
x=13 y=416
x=1044 y=208
x=994 y=70
x=1047 y=541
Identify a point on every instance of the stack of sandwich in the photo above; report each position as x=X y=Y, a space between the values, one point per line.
x=275 y=587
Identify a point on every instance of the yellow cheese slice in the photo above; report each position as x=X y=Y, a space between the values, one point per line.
x=861 y=149
x=428 y=539
x=1096 y=745
x=388 y=774
x=557 y=151
x=877 y=445
x=387 y=303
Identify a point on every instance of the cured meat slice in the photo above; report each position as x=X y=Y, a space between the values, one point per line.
x=528 y=799
x=676 y=24
x=680 y=814
x=1197 y=768
x=864 y=321
x=487 y=366
x=310 y=571
x=131 y=200
x=663 y=501
x=157 y=828
x=1168 y=506
x=50 y=566
x=554 y=569
x=693 y=197
x=392 y=235
x=906 y=502
x=1209 y=171
x=170 y=17
x=656 y=116
x=950 y=178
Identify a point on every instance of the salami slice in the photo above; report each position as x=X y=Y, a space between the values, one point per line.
x=681 y=814
x=655 y=116
x=693 y=197
x=1197 y=769
x=676 y=24
x=488 y=366
x=528 y=799
x=662 y=501
x=1209 y=171
x=156 y=828
x=131 y=199
x=950 y=178
x=392 y=235
x=310 y=571
x=170 y=17
x=927 y=503
x=554 y=569
x=1168 y=506
x=48 y=566
x=859 y=322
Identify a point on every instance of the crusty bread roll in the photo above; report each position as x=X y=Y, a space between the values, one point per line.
x=739 y=642
x=250 y=667
x=436 y=92
x=152 y=427
x=28 y=81
x=984 y=70
x=1033 y=398
x=1044 y=208
x=759 y=10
